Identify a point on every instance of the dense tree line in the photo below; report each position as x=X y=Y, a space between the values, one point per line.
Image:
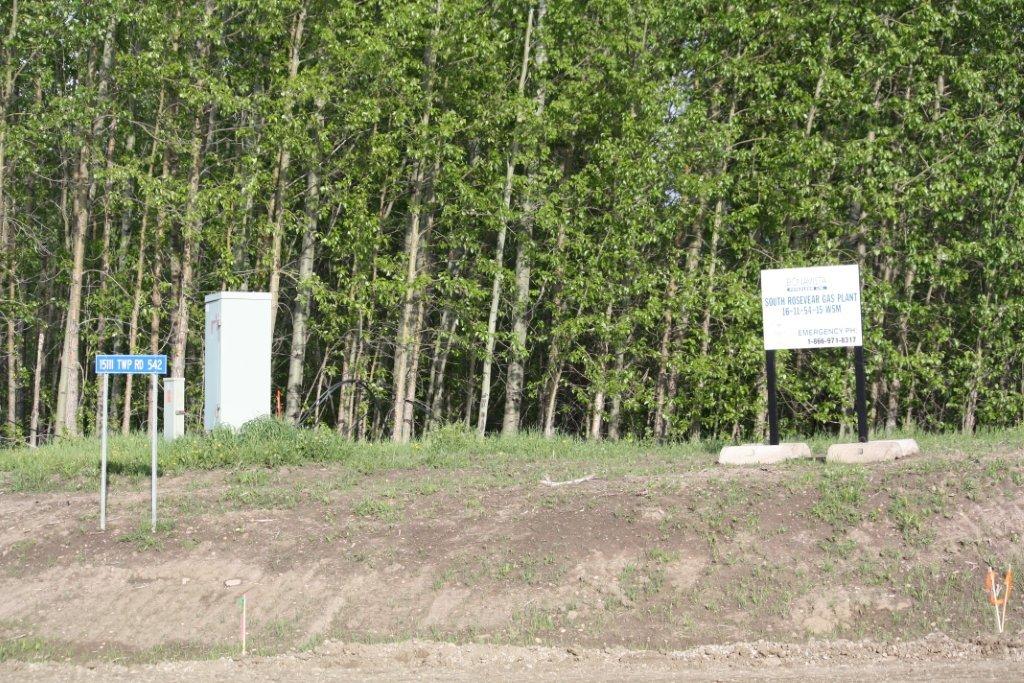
x=515 y=215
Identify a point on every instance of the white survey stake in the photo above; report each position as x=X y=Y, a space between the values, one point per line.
x=811 y=308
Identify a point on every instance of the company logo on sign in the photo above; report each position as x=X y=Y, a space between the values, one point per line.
x=806 y=284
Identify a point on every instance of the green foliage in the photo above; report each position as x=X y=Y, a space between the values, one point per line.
x=655 y=158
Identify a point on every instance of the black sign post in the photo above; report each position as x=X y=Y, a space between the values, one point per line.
x=773 y=401
x=862 y=400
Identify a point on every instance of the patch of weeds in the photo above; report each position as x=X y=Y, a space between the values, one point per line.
x=879 y=573
x=527 y=569
x=996 y=469
x=28 y=649
x=800 y=480
x=530 y=623
x=661 y=556
x=752 y=522
x=143 y=538
x=444 y=578
x=841 y=548
x=717 y=514
x=627 y=515
x=32 y=480
x=842 y=493
x=377 y=509
x=639 y=582
x=427 y=488
x=251 y=478
x=188 y=506
x=549 y=502
x=763 y=589
x=174 y=652
x=909 y=519
x=449 y=440
x=21 y=548
x=319 y=492
x=972 y=489
x=258 y=498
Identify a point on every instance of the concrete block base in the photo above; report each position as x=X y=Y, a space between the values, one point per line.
x=872 y=451
x=761 y=454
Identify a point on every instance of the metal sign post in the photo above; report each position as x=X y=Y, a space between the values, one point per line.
x=129 y=365
x=103 y=455
x=862 y=394
x=152 y=450
x=773 y=398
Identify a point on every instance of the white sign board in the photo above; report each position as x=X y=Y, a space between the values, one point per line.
x=811 y=308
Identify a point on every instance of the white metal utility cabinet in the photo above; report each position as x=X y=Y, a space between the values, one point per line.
x=237 y=374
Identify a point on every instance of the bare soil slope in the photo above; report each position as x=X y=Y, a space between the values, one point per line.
x=809 y=565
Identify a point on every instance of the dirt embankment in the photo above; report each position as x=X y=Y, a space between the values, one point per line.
x=805 y=566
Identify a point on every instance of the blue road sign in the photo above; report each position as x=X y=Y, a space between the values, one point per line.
x=131 y=365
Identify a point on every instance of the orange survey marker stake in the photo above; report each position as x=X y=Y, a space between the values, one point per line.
x=999 y=594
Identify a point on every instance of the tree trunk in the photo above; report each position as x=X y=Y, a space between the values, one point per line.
x=159 y=259
x=439 y=357
x=13 y=431
x=661 y=392
x=281 y=174
x=190 y=236
x=596 y=416
x=33 y=427
x=85 y=189
x=190 y=232
x=6 y=92
x=969 y=421
x=470 y=393
x=709 y=292
x=517 y=358
x=553 y=374
x=499 y=250
x=439 y=395
x=409 y=416
x=404 y=339
x=348 y=392
x=101 y=319
x=304 y=294
x=140 y=265
x=615 y=416
x=7 y=233
x=408 y=336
